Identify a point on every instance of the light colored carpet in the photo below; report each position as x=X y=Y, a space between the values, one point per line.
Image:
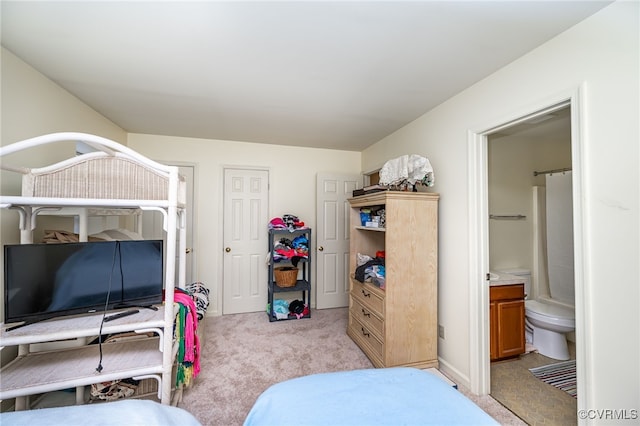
x=244 y=354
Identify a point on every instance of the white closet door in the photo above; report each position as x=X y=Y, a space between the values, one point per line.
x=332 y=238
x=246 y=195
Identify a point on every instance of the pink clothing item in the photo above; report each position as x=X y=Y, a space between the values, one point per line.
x=191 y=341
x=277 y=223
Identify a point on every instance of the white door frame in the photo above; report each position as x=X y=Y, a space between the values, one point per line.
x=194 y=218
x=478 y=222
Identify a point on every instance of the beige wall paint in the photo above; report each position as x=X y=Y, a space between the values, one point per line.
x=33 y=105
x=601 y=54
x=511 y=163
x=292 y=180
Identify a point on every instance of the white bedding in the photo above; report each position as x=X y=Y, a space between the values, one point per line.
x=131 y=412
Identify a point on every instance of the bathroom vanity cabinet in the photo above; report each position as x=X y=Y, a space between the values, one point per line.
x=506 y=311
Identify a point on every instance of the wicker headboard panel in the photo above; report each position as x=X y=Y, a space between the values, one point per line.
x=106 y=177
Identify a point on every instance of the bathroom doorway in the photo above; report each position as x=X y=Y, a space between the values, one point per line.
x=522 y=162
x=525 y=162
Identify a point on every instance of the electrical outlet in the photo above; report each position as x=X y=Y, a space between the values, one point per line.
x=440 y=331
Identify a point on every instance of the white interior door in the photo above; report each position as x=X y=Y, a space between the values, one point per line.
x=245 y=224
x=152 y=224
x=332 y=238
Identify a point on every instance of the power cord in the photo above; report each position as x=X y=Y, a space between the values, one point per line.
x=117 y=252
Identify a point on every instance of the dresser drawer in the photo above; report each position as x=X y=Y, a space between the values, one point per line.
x=368 y=296
x=367 y=317
x=367 y=340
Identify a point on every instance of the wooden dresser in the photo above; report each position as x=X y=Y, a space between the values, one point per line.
x=397 y=325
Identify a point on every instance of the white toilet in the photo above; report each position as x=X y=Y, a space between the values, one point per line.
x=546 y=323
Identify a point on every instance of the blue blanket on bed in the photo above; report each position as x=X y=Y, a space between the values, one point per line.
x=130 y=412
x=390 y=396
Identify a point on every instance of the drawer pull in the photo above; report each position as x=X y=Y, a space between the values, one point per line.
x=364 y=333
x=365 y=294
x=365 y=313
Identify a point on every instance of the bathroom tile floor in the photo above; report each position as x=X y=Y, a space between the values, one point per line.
x=534 y=401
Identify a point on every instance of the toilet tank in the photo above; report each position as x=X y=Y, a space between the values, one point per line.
x=525 y=274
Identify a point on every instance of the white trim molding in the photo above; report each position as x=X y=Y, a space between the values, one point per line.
x=480 y=378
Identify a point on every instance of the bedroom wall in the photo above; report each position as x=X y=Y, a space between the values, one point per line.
x=601 y=54
x=511 y=162
x=33 y=105
x=292 y=186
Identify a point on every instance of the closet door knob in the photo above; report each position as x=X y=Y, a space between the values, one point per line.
x=188 y=250
x=320 y=248
x=228 y=249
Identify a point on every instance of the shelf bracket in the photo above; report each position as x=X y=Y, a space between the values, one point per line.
x=36 y=211
x=25 y=215
x=165 y=215
x=152 y=376
x=153 y=330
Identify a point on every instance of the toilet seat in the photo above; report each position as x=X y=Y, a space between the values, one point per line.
x=552 y=314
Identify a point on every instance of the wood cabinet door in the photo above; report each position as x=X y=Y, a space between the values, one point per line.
x=510 y=320
x=493 y=331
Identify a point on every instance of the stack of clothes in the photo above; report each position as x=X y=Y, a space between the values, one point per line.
x=288 y=221
x=371 y=269
x=286 y=249
x=291 y=250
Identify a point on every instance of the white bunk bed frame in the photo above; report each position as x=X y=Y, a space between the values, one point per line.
x=114 y=177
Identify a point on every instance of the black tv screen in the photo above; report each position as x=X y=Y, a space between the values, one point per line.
x=43 y=281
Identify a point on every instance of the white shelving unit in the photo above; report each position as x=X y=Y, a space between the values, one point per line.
x=115 y=177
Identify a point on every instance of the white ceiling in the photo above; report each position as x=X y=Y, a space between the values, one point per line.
x=339 y=75
x=551 y=124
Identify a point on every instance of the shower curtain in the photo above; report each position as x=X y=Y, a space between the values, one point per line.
x=559 y=221
x=539 y=285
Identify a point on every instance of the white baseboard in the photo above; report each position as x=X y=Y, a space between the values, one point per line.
x=454 y=374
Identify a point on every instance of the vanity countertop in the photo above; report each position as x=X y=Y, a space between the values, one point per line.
x=504 y=279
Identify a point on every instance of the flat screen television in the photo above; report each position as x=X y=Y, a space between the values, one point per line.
x=43 y=281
